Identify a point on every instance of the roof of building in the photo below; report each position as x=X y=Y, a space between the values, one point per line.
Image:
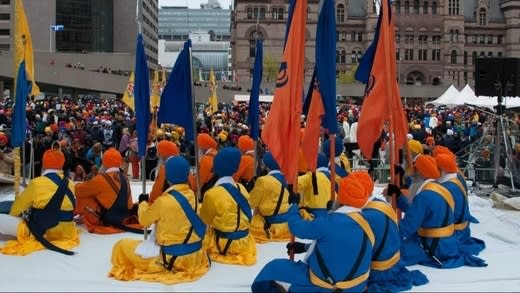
x=495 y=14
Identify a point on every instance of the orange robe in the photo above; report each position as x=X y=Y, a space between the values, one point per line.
x=158 y=185
x=97 y=194
x=246 y=169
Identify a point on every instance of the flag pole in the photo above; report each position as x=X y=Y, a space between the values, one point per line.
x=255 y=154
x=332 y=158
x=194 y=121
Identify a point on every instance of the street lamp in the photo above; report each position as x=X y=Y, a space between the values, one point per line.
x=54 y=28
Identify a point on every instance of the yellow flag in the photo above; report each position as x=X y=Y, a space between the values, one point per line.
x=128 y=96
x=213 y=101
x=155 y=97
x=23 y=45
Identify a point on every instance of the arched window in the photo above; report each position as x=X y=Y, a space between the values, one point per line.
x=434 y=8
x=280 y=13
x=456 y=36
x=490 y=54
x=416 y=6
x=482 y=16
x=499 y=54
x=354 y=57
x=359 y=55
x=343 y=57
x=274 y=13
x=406 y=7
x=340 y=13
x=262 y=13
x=453 y=57
x=482 y=54
x=465 y=57
x=452 y=35
x=252 y=42
x=425 y=7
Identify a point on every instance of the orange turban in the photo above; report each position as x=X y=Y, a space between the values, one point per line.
x=206 y=142
x=441 y=150
x=427 y=167
x=53 y=159
x=112 y=158
x=245 y=143
x=365 y=180
x=167 y=149
x=446 y=163
x=352 y=192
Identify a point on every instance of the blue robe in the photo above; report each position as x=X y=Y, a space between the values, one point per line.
x=431 y=210
x=462 y=217
x=387 y=275
x=338 y=239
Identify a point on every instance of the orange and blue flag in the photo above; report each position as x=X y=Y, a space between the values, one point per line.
x=282 y=126
x=320 y=105
x=382 y=101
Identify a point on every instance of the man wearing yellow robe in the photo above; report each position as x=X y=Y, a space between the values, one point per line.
x=226 y=209
x=174 y=252
x=46 y=204
x=270 y=201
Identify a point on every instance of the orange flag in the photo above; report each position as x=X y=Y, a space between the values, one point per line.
x=282 y=126
x=382 y=98
x=311 y=135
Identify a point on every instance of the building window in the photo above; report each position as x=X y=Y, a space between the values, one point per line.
x=398 y=55
x=416 y=6
x=465 y=58
x=425 y=7
x=434 y=8
x=340 y=13
x=337 y=36
x=482 y=16
x=482 y=39
x=250 y=13
x=337 y=56
x=456 y=36
x=353 y=57
x=465 y=77
x=406 y=7
x=262 y=13
x=453 y=59
x=408 y=54
x=474 y=39
x=453 y=7
x=499 y=54
x=374 y=9
x=436 y=39
x=423 y=54
x=280 y=13
x=452 y=34
x=343 y=36
x=398 y=7
x=499 y=39
x=360 y=37
x=490 y=39
x=482 y=54
x=436 y=54
x=423 y=39
x=490 y=54
x=343 y=57
x=397 y=38
x=409 y=39
x=474 y=57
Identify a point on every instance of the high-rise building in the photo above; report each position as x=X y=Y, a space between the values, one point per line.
x=89 y=26
x=437 y=41
x=176 y=23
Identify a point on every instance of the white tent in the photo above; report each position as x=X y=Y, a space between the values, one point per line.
x=262 y=98
x=491 y=102
x=447 y=98
x=466 y=96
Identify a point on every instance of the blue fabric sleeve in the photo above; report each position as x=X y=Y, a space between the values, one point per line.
x=413 y=218
x=305 y=229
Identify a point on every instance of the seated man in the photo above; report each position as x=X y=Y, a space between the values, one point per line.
x=225 y=208
x=270 y=200
x=448 y=166
x=427 y=230
x=174 y=252
x=387 y=274
x=165 y=149
x=46 y=207
x=105 y=201
x=338 y=260
x=315 y=189
x=246 y=169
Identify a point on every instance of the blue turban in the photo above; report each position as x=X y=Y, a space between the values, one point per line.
x=177 y=170
x=339 y=147
x=323 y=161
x=226 y=161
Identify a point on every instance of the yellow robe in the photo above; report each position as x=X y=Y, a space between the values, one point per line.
x=264 y=198
x=172 y=226
x=309 y=200
x=37 y=194
x=219 y=211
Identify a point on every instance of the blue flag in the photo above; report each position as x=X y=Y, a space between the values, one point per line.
x=176 y=99
x=365 y=64
x=141 y=97
x=252 y=119
x=326 y=63
x=19 y=114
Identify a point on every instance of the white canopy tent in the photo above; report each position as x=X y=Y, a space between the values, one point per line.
x=447 y=98
x=491 y=102
x=262 y=98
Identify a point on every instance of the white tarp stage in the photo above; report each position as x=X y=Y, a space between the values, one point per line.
x=87 y=270
x=448 y=98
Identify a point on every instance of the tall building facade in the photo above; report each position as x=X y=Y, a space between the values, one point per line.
x=176 y=23
x=437 y=41
x=89 y=26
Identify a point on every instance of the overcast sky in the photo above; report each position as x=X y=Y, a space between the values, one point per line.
x=192 y=3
